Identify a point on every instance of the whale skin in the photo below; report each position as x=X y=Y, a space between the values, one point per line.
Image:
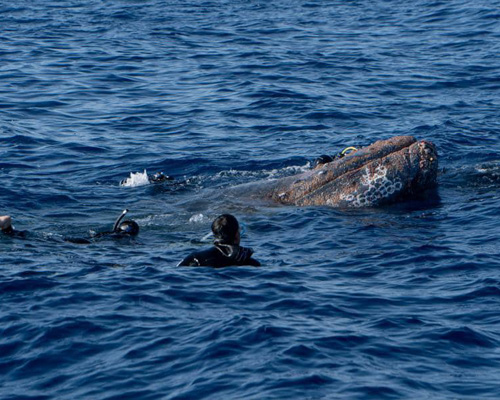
x=385 y=172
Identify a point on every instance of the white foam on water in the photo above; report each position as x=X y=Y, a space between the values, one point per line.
x=197 y=218
x=136 y=179
x=269 y=174
x=153 y=220
x=490 y=167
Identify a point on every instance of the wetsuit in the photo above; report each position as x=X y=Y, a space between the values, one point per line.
x=127 y=228
x=221 y=255
x=92 y=239
x=14 y=233
x=22 y=235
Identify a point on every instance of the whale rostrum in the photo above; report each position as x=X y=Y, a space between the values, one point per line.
x=385 y=172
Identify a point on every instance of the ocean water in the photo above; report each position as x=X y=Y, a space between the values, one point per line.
x=399 y=302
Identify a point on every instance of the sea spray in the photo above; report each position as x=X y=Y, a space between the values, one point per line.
x=136 y=179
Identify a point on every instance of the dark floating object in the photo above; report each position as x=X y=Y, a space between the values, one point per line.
x=159 y=177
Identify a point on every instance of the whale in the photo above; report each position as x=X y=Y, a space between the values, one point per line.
x=384 y=172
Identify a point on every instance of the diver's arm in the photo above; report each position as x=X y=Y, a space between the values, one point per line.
x=77 y=240
x=102 y=234
x=189 y=261
x=253 y=262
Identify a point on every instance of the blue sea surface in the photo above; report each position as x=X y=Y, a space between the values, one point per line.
x=398 y=302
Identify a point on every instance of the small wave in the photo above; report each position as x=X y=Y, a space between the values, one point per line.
x=482 y=175
x=269 y=174
x=18 y=139
x=467 y=337
x=200 y=219
x=197 y=218
x=489 y=172
x=136 y=179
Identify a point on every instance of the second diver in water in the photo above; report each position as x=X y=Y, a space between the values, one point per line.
x=226 y=250
x=121 y=229
x=127 y=228
x=7 y=229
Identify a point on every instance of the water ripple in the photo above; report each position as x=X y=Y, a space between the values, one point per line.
x=398 y=302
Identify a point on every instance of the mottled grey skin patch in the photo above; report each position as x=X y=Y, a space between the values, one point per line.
x=377 y=188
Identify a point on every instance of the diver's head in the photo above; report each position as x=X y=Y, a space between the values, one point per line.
x=226 y=229
x=324 y=159
x=160 y=177
x=6 y=224
x=128 y=227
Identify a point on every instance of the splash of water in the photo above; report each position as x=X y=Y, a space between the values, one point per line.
x=265 y=174
x=136 y=179
x=197 y=218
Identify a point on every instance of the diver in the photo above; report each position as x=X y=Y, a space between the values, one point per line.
x=325 y=158
x=127 y=228
x=7 y=228
x=157 y=177
x=226 y=250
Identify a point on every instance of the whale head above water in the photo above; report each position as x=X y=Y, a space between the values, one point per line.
x=384 y=172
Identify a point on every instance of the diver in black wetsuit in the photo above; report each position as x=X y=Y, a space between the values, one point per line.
x=7 y=228
x=121 y=229
x=325 y=158
x=158 y=177
x=226 y=250
x=126 y=228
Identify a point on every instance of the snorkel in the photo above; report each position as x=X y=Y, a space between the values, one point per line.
x=125 y=228
x=118 y=220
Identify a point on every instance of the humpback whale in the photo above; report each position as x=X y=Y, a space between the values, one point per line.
x=385 y=172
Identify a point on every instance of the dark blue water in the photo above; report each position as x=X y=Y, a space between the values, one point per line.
x=390 y=303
